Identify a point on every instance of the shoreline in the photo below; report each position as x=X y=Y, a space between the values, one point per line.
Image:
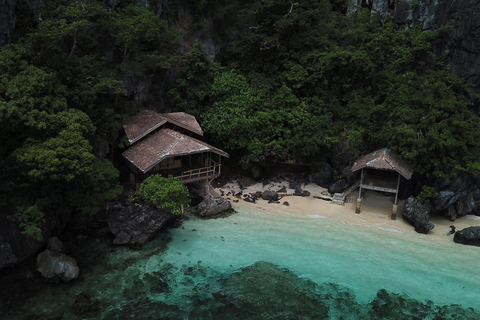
x=375 y=211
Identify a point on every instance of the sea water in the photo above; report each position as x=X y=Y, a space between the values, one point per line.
x=262 y=264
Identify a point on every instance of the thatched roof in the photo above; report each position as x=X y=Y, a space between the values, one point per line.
x=163 y=144
x=146 y=121
x=384 y=159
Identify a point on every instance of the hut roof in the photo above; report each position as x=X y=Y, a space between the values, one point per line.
x=384 y=159
x=146 y=121
x=163 y=144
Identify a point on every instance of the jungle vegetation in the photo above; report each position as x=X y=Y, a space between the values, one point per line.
x=291 y=81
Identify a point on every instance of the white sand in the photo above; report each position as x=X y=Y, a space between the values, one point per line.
x=375 y=209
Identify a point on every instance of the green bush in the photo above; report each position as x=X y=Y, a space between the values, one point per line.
x=165 y=193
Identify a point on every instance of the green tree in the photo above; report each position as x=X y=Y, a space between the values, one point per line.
x=165 y=193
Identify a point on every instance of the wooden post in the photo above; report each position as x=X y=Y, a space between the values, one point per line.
x=395 y=206
x=394 y=212
x=359 y=199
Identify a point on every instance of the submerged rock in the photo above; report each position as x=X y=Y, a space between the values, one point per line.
x=213 y=207
x=52 y=264
x=417 y=214
x=469 y=236
x=136 y=224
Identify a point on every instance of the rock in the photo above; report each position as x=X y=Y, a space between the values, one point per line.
x=55 y=245
x=338 y=187
x=6 y=254
x=295 y=185
x=212 y=207
x=285 y=203
x=469 y=236
x=270 y=195
x=301 y=193
x=8 y=20
x=138 y=224
x=246 y=182
x=459 y=198
x=122 y=238
x=417 y=214
x=57 y=264
x=323 y=177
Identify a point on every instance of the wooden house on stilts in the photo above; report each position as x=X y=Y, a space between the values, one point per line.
x=381 y=170
x=169 y=144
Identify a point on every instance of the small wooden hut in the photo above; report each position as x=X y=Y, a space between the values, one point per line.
x=169 y=144
x=381 y=170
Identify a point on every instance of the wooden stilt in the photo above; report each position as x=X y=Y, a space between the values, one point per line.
x=359 y=204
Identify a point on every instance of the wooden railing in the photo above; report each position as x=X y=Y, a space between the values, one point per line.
x=199 y=173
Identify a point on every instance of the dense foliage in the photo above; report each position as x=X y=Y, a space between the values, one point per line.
x=304 y=77
x=293 y=81
x=165 y=193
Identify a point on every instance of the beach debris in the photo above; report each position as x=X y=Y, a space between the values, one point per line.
x=285 y=203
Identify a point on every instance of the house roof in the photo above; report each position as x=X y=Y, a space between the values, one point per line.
x=163 y=144
x=384 y=159
x=146 y=121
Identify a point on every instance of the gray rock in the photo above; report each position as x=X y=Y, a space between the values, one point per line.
x=459 y=198
x=6 y=254
x=140 y=223
x=417 y=214
x=301 y=193
x=57 y=264
x=270 y=195
x=246 y=182
x=295 y=184
x=469 y=236
x=338 y=187
x=323 y=177
x=214 y=207
x=55 y=245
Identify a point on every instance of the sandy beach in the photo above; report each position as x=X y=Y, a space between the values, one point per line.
x=375 y=210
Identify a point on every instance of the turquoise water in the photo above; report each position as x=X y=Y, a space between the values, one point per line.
x=258 y=264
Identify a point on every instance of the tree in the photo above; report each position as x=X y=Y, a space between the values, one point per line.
x=165 y=193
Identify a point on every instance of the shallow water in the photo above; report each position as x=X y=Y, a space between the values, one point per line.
x=259 y=264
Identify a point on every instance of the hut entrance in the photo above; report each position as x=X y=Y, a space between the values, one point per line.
x=381 y=170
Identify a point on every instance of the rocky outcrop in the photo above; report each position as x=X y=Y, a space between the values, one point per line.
x=6 y=254
x=52 y=262
x=301 y=193
x=212 y=207
x=469 y=236
x=459 y=198
x=7 y=20
x=135 y=224
x=417 y=214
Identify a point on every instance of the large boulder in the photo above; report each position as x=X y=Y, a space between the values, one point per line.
x=52 y=264
x=136 y=224
x=212 y=207
x=246 y=182
x=269 y=195
x=338 y=187
x=469 y=236
x=459 y=198
x=417 y=214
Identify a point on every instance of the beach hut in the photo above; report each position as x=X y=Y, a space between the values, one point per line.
x=381 y=170
x=169 y=144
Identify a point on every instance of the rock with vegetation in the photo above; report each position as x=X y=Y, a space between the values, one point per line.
x=338 y=186
x=459 y=198
x=417 y=214
x=212 y=207
x=52 y=262
x=469 y=236
x=136 y=224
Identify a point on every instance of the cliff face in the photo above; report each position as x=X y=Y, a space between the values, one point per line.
x=461 y=44
x=7 y=20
